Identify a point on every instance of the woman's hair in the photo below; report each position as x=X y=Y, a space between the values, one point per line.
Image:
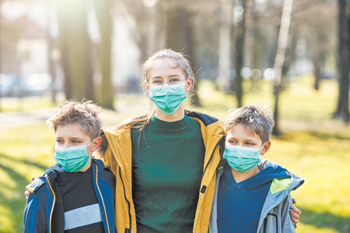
x=85 y=114
x=133 y=122
x=256 y=119
x=181 y=61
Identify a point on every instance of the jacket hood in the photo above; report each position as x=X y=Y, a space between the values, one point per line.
x=267 y=174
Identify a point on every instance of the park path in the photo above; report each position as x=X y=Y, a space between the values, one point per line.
x=38 y=116
x=16 y=119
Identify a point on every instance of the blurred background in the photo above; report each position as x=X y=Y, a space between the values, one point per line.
x=292 y=54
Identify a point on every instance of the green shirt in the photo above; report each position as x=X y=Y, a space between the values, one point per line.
x=167 y=166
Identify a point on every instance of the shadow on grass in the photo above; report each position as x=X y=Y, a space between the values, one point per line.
x=312 y=135
x=31 y=163
x=14 y=200
x=325 y=220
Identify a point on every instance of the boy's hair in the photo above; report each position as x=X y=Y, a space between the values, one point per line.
x=256 y=119
x=84 y=113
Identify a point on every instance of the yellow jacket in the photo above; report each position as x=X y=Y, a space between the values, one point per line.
x=118 y=157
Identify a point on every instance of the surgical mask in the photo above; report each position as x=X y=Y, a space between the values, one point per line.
x=242 y=159
x=168 y=99
x=72 y=159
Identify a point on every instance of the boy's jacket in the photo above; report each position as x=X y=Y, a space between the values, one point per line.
x=118 y=157
x=274 y=217
x=45 y=200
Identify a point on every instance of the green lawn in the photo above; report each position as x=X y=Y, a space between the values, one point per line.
x=313 y=146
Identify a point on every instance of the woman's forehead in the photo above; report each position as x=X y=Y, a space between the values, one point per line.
x=165 y=68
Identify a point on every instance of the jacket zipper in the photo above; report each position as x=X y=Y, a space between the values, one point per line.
x=265 y=222
x=120 y=175
x=104 y=207
x=53 y=204
x=211 y=157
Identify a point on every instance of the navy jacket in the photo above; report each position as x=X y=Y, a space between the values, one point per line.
x=45 y=201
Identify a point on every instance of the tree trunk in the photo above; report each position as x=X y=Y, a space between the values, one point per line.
x=317 y=73
x=50 y=62
x=239 y=55
x=102 y=9
x=288 y=60
x=75 y=46
x=280 y=57
x=226 y=23
x=179 y=36
x=342 y=110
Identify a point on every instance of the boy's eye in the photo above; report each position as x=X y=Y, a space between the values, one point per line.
x=249 y=143
x=59 y=141
x=76 y=141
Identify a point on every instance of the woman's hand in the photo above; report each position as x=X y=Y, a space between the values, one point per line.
x=294 y=214
x=26 y=193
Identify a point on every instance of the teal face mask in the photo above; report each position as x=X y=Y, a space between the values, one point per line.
x=72 y=159
x=168 y=99
x=240 y=158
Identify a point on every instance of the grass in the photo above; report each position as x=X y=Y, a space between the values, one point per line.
x=312 y=145
x=28 y=103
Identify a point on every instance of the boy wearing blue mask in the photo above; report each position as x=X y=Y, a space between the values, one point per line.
x=77 y=194
x=251 y=197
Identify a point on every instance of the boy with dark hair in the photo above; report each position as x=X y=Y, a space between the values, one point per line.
x=77 y=194
x=251 y=197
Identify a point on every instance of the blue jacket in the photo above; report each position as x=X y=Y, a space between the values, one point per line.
x=274 y=217
x=45 y=200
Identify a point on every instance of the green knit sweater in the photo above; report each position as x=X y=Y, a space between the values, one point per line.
x=167 y=166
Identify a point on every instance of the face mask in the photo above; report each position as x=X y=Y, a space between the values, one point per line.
x=242 y=159
x=72 y=159
x=168 y=99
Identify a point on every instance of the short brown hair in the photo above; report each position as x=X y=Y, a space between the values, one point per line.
x=257 y=119
x=84 y=113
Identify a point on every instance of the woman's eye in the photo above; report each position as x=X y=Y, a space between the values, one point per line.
x=157 y=82
x=174 y=80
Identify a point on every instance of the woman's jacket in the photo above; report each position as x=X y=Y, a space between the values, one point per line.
x=118 y=157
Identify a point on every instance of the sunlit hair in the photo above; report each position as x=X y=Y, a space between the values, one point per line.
x=84 y=113
x=178 y=58
x=181 y=62
x=256 y=119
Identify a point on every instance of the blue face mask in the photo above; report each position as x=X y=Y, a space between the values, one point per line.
x=242 y=159
x=72 y=159
x=168 y=99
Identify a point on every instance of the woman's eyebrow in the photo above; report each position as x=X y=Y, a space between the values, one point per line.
x=155 y=77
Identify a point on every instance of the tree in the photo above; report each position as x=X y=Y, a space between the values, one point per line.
x=237 y=55
x=342 y=110
x=102 y=9
x=76 y=48
x=280 y=58
x=179 y=36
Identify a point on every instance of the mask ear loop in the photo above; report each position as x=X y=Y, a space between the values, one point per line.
x=89 y=145
x=261 y=147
